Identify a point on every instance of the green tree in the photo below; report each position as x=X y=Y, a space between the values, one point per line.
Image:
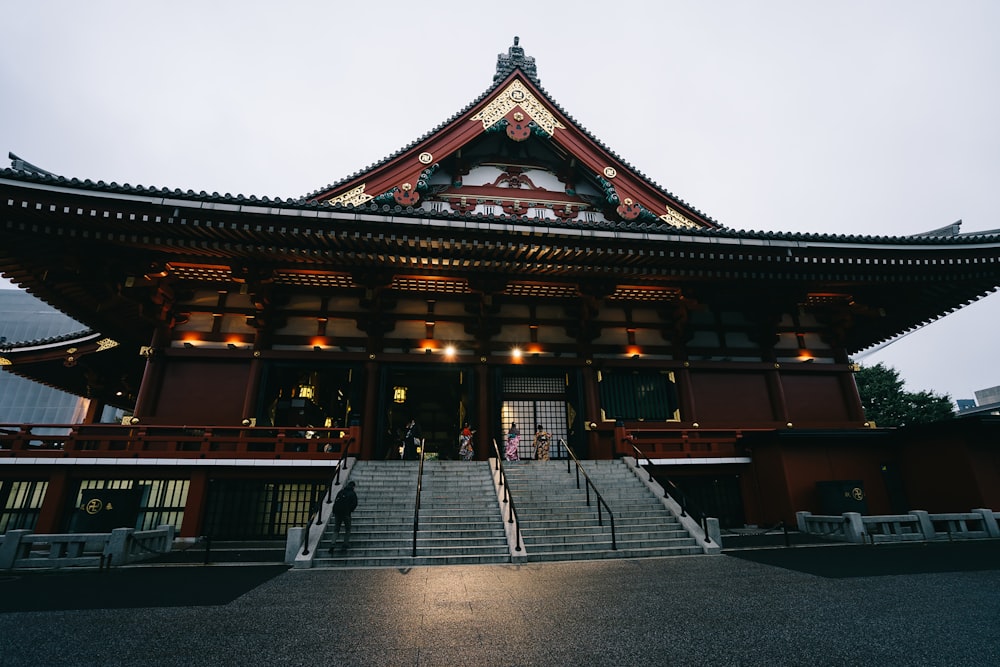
x=887 y=404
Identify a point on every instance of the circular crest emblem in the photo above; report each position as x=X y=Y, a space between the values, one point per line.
x=610 y=172
x=425 y=158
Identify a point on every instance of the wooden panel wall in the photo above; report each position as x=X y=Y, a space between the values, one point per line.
x=201 y=392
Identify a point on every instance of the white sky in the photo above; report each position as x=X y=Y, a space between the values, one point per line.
x=852 y=117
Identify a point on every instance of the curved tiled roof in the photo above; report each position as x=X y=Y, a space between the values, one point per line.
x=533 y=78
x=88 y=185
x=13 y=346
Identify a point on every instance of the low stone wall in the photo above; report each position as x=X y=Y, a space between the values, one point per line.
x=915 y=526
x=22 y=549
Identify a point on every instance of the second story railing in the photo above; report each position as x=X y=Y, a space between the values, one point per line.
x=508 y=498
x=180 y=442
x=588 y=484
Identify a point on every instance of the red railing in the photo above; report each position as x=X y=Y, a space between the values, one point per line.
x=143 y=441
x=660 y=442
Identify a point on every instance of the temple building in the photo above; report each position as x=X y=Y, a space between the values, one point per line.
x=505 y=267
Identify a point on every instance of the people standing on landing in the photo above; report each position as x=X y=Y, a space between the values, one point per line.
x=345 y=503
x=465 y=450
x=541 y=443
x=513 y=441
x=411 y=440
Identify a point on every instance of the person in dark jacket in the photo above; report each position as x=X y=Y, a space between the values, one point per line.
x=411 y=441
x=345 y=503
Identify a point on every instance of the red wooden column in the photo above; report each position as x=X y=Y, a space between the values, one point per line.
x=253 y=385
x=779 y=408
x=852 y=399
x=597 y=447
x=194 y=508
x=50 y=515
x=94 y=410
x=484 y=427
x=685 y=394
x=369 y=419
x=153 y=373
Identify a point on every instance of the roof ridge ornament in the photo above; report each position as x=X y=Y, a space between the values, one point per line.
x=515 y=59
x=19 y=164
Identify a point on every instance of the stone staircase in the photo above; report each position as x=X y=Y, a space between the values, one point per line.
x=460 y=520
x=557 y=524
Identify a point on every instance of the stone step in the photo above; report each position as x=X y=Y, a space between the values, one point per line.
x=601 y=554
x=351 y=560
x=405 y=546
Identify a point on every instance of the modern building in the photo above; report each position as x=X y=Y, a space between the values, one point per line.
x=505 y=267
x=987 y=401
x=29 y=322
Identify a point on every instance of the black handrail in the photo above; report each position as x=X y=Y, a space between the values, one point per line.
x=687 y=505
x=508 y=498
x=588 y=485
x=416 y=505
x=341 y=464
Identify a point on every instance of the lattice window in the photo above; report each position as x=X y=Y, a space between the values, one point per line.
x=442 y=286
x=644 y=294
x=20 y=502
x=161 y=501
x=540 y=291
x=528 y=414
x=638 y=396
x=199 y=272
x=534 y=385
x=259 y=509
x=309 y=279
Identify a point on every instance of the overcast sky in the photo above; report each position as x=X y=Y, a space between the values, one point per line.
x=852 y=117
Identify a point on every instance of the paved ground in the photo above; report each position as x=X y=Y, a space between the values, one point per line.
x=832 y=605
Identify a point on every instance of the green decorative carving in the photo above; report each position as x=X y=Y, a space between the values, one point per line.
x=423 y=181
x=610 y=194
x=499 y=126
x=387 y=197
x=645 y=215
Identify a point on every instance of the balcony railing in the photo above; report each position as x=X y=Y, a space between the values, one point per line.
x=222 y=442
x=672 y=443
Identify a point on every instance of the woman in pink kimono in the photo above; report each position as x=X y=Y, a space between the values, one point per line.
x=513 y=440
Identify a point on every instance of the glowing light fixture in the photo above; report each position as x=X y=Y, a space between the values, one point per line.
x=516 y=353
x=399 y=394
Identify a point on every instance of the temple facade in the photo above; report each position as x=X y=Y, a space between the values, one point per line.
x=507 y=267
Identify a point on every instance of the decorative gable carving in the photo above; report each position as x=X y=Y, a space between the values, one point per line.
x=516 y=94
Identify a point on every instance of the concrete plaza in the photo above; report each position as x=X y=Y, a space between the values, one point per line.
x=936 y=604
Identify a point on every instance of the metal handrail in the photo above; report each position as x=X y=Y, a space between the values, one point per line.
x=588 y=485
x=416 y=505
x=687 y=505
x=508 y=498
x=341 y=463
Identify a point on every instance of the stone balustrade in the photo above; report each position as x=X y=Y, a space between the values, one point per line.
x=915 y=526
x=22 y=549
